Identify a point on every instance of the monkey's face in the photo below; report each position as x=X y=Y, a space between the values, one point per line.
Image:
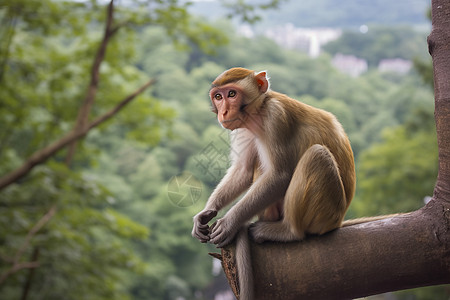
x=228 y=102
x=236 y=97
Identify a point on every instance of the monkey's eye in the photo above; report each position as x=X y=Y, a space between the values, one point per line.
x=232 y=93
x=218 y=96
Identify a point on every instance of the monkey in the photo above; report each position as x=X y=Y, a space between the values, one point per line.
x=293 y=161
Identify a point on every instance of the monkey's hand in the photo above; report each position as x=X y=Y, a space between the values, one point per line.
x=201 y=228
x=223 y=232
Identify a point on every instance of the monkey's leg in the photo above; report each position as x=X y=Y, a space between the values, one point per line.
x=314 y=200
x=272 y=231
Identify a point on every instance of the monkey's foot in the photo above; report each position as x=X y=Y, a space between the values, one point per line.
x=271 y=231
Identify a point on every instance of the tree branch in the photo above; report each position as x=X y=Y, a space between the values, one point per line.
x=86 y=107
x=17 y=267
x=34 y=230
x=121 y=105
x=16 y=264
x=29 y=280
x=402 y=252
x=42 y=155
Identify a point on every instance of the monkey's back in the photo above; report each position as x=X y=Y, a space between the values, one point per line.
x=310 y=125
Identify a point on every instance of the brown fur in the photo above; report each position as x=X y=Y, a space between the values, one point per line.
x=294 y=161
x=232 y=75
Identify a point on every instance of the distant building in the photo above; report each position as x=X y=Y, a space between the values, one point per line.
x=349 y=64
x=309 y=40
x=396 y=65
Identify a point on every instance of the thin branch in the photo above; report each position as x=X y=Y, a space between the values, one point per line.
x=42 y=155
x=85 y=109
x=16 y=264
x=35 y=230
x=29 y=280
x=17 y=267
x=119 y=106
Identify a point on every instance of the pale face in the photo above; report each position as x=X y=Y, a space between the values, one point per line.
x=229 y=100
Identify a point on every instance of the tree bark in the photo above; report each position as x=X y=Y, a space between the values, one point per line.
x=402 y=252
x=398 y=253
x=439 y=48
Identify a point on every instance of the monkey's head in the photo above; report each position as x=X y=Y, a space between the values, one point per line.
x=236 y=94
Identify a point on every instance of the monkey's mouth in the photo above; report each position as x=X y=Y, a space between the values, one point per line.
x=229 y=121
x=231 y=124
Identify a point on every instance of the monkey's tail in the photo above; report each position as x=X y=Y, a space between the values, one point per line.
x=244 y=265
x=367 y=219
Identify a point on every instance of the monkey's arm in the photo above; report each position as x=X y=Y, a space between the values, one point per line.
x=266 y=190
x=236 y=181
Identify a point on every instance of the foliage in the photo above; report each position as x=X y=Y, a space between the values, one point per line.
x=116 y=233
x=85 y=245
x=249 y=11
x=425 y=69
x=398 y=173
x=381 y=42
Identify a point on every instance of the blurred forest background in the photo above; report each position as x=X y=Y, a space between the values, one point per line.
x=114 y=221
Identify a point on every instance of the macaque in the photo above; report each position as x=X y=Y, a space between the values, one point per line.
x=293 y=161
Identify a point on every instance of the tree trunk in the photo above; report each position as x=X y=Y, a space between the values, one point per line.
x=402 y=252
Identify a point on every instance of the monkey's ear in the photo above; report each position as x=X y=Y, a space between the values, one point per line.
x=262 y=81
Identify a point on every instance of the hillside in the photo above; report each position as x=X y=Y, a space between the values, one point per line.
x=332 y=13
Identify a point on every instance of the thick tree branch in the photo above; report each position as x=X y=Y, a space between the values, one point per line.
x=392 y=254
x=42 y=155
x=402 y=252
